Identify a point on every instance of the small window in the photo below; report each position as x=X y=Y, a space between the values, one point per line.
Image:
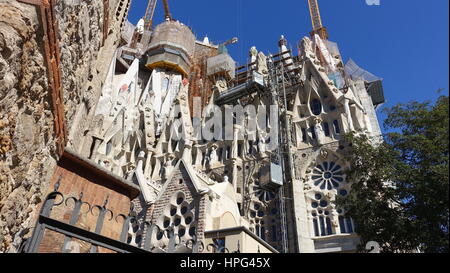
x=313 y=133
x=326 y=129
x=349 y=225
x=337 y=129
x=316 y=227
x=304 y=136
x=342 y=224
x=322 y=226
x=329 y=230
x=316 y=107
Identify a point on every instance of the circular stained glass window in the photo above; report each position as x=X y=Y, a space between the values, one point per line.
x=327 y=175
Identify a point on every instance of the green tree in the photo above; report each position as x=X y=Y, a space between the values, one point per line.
x=401 y=195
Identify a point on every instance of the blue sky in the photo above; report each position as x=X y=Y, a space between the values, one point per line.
x=403 y=41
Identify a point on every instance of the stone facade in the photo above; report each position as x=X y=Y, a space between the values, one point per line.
x=138 y=106
x=147 y=125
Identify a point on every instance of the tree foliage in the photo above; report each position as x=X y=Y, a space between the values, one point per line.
x=401 y=195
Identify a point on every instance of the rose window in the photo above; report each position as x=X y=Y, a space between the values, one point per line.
x=328 y=175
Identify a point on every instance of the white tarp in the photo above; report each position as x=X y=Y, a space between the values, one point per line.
x=325 y=53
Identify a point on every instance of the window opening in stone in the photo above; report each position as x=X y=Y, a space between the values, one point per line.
x=316 y=107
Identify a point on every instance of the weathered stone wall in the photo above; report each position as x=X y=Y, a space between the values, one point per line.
x=27 y=136
x=27 y=154
x=80 y=37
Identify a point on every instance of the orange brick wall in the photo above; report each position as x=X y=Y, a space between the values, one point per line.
x=74 y=180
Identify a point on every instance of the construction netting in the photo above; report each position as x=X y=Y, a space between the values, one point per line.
x=356 y=72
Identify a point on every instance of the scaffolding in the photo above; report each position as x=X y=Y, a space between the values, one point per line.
x=280 y=71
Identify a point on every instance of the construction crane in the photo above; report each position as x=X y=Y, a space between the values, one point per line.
x=222 y=47
x=231 y=41
x=148 y=18
x=167 y=11
x=318 y=28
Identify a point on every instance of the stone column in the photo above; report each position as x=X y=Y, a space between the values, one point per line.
x=187 y=151
x=234 y=147
x=148 y=163
x=348 y=114
x=235 y=170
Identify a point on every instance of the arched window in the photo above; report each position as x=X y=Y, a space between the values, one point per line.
x=345 y=223
x=321 y=216
x=316 y=107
